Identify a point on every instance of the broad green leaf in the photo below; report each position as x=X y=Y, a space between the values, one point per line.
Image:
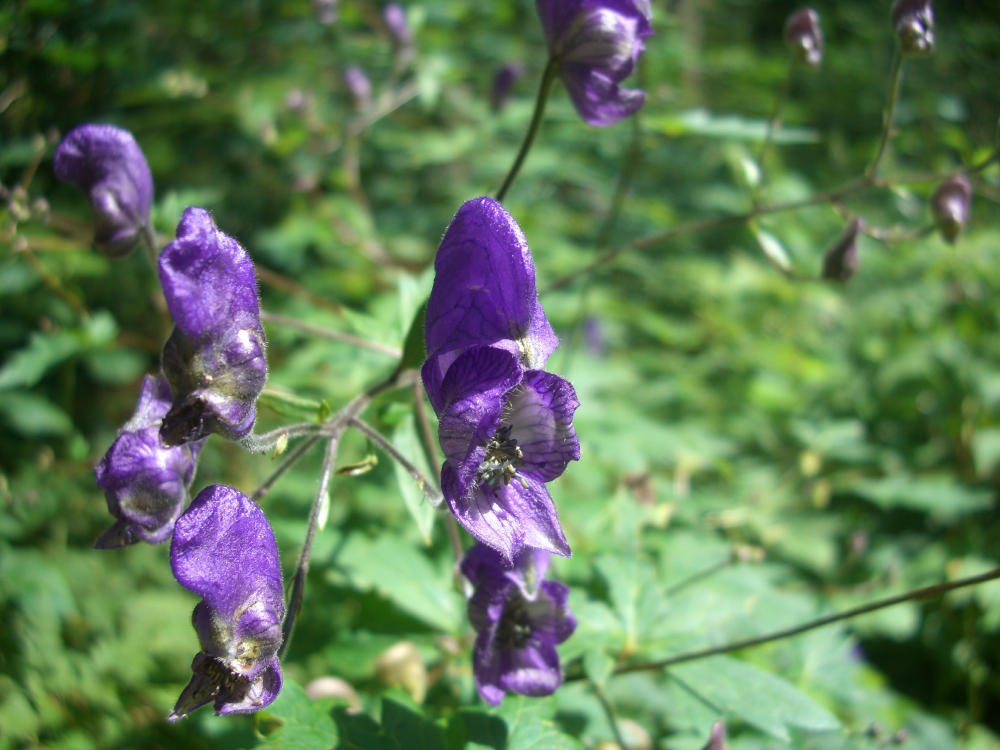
x=406 y=440
x=529 y=726
x=32 y=415
x=295 y=722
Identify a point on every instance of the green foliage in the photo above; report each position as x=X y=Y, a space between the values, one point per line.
x=758 y=449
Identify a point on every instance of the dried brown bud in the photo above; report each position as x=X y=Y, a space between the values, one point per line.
x=805 y=37
x=840 y=262
x=951 y=204
x=913 y=22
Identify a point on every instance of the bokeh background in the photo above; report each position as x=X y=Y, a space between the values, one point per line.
x=757 y=449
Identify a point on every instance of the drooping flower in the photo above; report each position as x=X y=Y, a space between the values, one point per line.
x=214 y=359
x=223 y=550
x=359 y=86
x=506 y=426
x=913 y=22
x=840 y=262
x=145 y=483
x=394 y=16
x=951 y=205
x=805 y=37
x=596 y=44
x=519 y=619
x=106 y=163
x=718 y=739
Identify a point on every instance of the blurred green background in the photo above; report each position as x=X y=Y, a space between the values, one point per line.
x=757 y=450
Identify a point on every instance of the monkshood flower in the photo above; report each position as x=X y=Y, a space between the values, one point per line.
x=840 y=262
x=145 y=483
x=359 y=86
x=223 y=550
x=214 y=359
x=596 y=44
x=913 y=22
x=951 y=205
x=805 y=37
x=519 y=619
x=503 y=84
x=395 y=20
x=107 y=164
x=505 y=425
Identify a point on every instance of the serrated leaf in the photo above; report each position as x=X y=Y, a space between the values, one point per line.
x=768 y=702
x=301 y=723
x=529 y=726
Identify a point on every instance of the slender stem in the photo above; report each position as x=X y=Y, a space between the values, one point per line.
x=149 y=246
x=432 y=493
x=267 y=441
x=53 y=283
x=608 y=713
x=329 y=333
x=299 y=579
x=699 y=575
x=772 y=125
x=536 y=120
x=890 y=109
x=925 y=592
x=290 y=460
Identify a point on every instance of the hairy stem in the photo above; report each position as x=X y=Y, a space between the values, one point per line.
x=536 y=120
x=432 y=493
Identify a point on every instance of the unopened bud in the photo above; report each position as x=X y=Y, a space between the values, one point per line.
x=913 y=22
x=840 y=262
x=359 y=86
x=394 y=16
x=805 y=37
x=503 y=84
x=951 y=204
x=718 y=739
x=334 y=687
x=402 y=666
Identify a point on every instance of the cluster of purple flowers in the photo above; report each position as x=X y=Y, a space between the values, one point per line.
x=506 y=429
x=213 y=369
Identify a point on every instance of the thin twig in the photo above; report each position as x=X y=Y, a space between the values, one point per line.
x=329 y=333
x=430 y=491
x=772 y=125
x=608 y=713
x=290 y=460
x=925 y=592
x=890 y=109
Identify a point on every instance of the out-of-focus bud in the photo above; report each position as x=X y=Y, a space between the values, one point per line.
x=402 y=666
x=718 y=739
x=503 y=84
x=334 y=687
x=805 y=37
x=913 y=22
x=360 y=87
x=107 y=164
x=951 y=204
x=840 y=262
x=395 y=19
x=326 y=11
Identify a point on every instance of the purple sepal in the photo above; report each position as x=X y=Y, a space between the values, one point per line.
x=840 y=262
x=145 y=483
x=503 y=85
x=214 y=359
x=517 y=631
x=483 y=294
x=223 y=550
x=913 y=22
x=395 y=20
x=107 y=164
x=597 y=44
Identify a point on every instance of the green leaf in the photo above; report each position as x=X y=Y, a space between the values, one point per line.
x=32 y=415
x=772 y=248
x=406 y=440
x=939 y=495
x=414 y=352
x=760 y=698
x=529 y=726
x=296 y=722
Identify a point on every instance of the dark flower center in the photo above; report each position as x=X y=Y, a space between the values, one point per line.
x=515 y=627
x=503 y=459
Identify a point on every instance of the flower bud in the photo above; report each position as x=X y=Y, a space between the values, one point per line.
x=503 y=83
x=718 y=739
x=395 y=19
x=107 y=164
x=840 y=262
x=401 y=665
x=145 y=483
x=951 y=204
x=913 y=22
x=223 y=550
x=327 y=11
x=359 y=86
x=214 y=359
x=805 y=37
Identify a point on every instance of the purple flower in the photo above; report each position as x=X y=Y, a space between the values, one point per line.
x=223 y=550
x=503 y=83
x=951 y=205
x=107 y=164
x=519 y=619
x=214 y=359
x=805 y=37
x=506 y=426
x=483 y=294
x=395 y=19
x=840 y=262
x=359 y=86
x=597 y=44
x=145 y=483
x=913 y=22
